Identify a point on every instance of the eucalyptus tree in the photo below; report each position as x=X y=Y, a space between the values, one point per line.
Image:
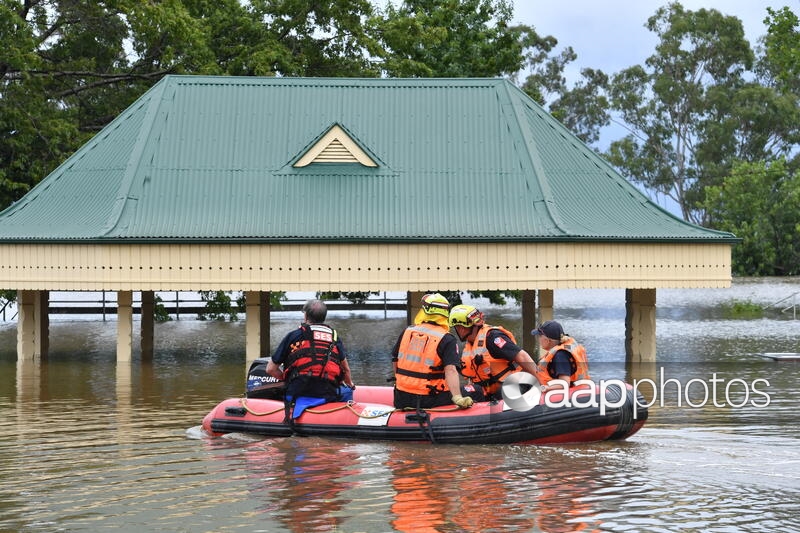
x=695 y=108
x=782 y=44
x=779 y=68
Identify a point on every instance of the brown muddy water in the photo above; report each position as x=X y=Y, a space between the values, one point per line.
x=87 y=444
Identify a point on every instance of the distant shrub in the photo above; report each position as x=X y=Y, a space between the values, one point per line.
x=742 y=309
x=219 y=306
x=159 y=311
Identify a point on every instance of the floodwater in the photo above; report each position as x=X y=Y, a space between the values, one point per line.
x=90 y=445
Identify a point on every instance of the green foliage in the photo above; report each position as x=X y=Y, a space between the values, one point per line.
x=760 y=203
x=356 y=297
x=159 y=311
x=444 y=38
x=692 y=110
x=218 y=306
x=584 y=108
x=494 y=297
x=275 y=298
x=782 y=44
x=7 y=296
x=498 y=297
x=302 y=38
x=241 y=302
x=739 y=309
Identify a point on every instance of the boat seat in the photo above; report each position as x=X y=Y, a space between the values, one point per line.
x=302 y=403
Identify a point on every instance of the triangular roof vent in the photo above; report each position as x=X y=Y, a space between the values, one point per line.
x=336 y=146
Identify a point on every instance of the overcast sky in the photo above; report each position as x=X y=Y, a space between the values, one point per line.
x=610 y=35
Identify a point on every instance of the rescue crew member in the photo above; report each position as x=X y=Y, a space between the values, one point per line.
x=563 y=358
x=426 y=360
x=313 y=358
x=491 y=353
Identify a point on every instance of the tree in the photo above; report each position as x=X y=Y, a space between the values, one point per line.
x=474 y=38
x=323 y=38
x=782 y=45
x=760 y=203
x=584 y=108
x=448 y=38
x=779 y=67
x=67 y=73
x=666 y=105
x=354 y=297
x=68 y=68
x=695 y=108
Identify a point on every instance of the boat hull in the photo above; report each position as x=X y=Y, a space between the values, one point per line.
x=616 y=415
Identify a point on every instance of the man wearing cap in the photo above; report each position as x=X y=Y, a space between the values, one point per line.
x=564 y=359
x=426 y=360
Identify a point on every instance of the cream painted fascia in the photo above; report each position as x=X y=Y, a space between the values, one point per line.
x=335 y=146
x=375 y=267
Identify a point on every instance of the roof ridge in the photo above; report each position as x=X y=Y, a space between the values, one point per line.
x=531 y=154
x=334 y=80
x=124 y=193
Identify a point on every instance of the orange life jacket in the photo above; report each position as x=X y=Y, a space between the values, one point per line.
x=316 y=355
x=420 y=370
x=483 y=369
x=578 y=360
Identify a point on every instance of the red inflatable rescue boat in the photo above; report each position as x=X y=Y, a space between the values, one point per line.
x=611 y=412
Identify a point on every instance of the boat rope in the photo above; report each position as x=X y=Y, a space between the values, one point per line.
x=349 y=405
x=435 y=409
x=255 y=413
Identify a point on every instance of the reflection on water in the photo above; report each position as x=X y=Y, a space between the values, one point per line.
x=90 y=445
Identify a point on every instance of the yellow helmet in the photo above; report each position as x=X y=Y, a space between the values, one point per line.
x=435 y=304
x=465 y=315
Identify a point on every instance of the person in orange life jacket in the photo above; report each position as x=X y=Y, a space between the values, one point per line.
x=426 y=360
x=491 y=353
x=563 y=359
x=313 y=358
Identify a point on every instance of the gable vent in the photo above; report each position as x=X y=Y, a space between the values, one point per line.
x=335 y=152
x=336 y=146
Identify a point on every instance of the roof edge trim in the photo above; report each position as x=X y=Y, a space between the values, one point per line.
x=711 y=239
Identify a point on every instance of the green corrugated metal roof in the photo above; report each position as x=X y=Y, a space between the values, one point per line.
x=210 y=158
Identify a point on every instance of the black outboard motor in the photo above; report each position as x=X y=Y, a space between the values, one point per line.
x=262 y=385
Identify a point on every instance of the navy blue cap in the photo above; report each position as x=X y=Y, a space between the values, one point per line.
x=550 y=329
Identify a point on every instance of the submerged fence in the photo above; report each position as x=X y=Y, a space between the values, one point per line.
x=786 y=304
x=189 y=305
